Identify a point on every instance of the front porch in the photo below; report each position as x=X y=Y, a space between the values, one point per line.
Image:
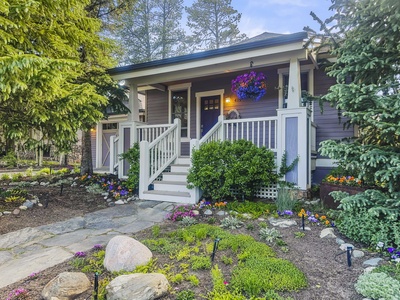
x=163 y=169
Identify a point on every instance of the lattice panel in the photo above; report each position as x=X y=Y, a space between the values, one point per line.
x=267 y=192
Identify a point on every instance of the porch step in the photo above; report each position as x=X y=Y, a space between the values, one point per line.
x=173 y=186
x=177 y=197
x=183 y=160
x=175 y=176
x=180 y=167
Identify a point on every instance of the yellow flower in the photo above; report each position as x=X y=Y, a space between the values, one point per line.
x=316 y=215
x=326 y=222
x=323 y=217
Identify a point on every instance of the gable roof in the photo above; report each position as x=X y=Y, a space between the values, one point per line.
x=264 y=40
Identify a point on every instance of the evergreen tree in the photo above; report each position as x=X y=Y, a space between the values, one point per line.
x=365 y=39
x=151 y=31
x=214 y=24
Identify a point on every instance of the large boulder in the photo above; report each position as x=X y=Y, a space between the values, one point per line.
x=125 y=254
x=137 y=286
x=66 y=286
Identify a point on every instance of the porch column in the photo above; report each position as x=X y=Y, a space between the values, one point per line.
x=294 y=129
x=294 y=86
x=133 y=102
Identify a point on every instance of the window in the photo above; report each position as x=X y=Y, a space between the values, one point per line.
x=110 y=126
x=179 y=106
x=303 y=83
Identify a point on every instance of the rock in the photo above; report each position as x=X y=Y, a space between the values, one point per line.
x=16 y=212
x=110 y=204
x=358 y=253
x=195 y=212
x=74 y=184
x=23 y=207
x=369 y=270
x=40 y=204
x=208 y=212
x=33 y=183
x=14 y=183
x=261 y=219
x=28 y=204
x=137 y=286
x=281 y=222
x=372 y=262
x=44 y=183
x=327 y=233
x=344 y=246
x=6 y=212
x=222 y=213
x=246 y=216
x=66 y=286
x=306 y=228
x=119 y=202
x=1 y=213
x=125 y=254
x=339 y=241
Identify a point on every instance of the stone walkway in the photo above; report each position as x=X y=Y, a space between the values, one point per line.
x=31 y=250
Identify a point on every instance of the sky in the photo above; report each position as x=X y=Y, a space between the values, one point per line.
x=279 y=16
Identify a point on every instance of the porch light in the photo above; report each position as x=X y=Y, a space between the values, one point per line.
x=227 y=100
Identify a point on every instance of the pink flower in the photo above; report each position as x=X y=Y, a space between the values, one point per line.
x=226 y=282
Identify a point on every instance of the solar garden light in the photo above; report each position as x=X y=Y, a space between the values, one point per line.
x=96 y=285
x=216 y=241
x=61 y=189
x=302 y=221
x=349 y=250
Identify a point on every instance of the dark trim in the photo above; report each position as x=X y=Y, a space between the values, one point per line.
x=275 y=41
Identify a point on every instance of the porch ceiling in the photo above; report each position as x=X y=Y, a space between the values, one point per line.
x=208 y=65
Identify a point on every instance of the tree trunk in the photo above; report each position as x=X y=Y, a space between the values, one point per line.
x=86 y=162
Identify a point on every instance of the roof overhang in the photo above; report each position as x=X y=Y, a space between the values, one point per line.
x=264 y=53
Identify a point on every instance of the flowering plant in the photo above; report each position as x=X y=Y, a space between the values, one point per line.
x=343 y=180
x=315 y=218
x=250 y=86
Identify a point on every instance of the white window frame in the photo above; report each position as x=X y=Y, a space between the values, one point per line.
x=178 y=88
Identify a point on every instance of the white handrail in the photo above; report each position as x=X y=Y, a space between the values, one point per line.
x=113 y=153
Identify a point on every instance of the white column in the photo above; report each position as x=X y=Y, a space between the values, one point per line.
x=133 y=102
x=144 y=168
x=294 y=86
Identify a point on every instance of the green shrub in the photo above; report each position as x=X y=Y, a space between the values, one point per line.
x=231 y=169
x=185 y=295
x=256 y=209
x=369 y=217
x=5 y=177
x=16 y=177
x=133 y=158
x=10 y=159
x=193 y=279
x=378 y=286
x=44 y=171
x=231 y=223
x=200 y=262
x=270 y=235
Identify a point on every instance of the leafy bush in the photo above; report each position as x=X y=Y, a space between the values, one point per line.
x=200 y=262
x=256 y=209
x=188 y=221
x=185 y=295
x=133 y=157
x=378 y=286
x=231 y=169
x=369 y=217
x=10 y=159
x=231 y=223
x=269 y=234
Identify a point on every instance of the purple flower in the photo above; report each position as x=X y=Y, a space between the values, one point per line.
x=288 y=212
x=98 y=247
x=312 y=219
x=80 y=254
x=123 y=192
x=390 y=249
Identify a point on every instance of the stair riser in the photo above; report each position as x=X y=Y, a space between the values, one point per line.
x=174 y=177
x=180 y=169
x=174 y=199
x=171 y=188
x=183 y=161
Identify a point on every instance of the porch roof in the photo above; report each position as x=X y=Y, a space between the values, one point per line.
x=269 y=50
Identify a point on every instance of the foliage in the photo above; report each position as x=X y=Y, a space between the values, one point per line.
x=181 y=211
x=256 y=209
x=231 y=222
x=188 y=221
x=214 y=24
x=133 y=158
x=10 y=159
x=42 y=71
x=250 y=86
x=378 y=286
x=391 y=269
x=200 y=262
x=270 y=235
x=228 y=169
x=185 y=295
x=284 y=168
x=286 y=199
x=369 y=217
x=367 y=89
x=151 y=30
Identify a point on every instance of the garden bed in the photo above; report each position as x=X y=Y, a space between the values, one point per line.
x=326 y=188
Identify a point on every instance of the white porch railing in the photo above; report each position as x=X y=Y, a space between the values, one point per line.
x=259 y=131
x=313 y=137
x=158 y=155
x=114 y=160
x=150 y=132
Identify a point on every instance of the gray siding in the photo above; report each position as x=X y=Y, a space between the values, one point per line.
x=157 y=107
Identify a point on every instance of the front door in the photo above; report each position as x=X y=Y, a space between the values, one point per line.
x=210 y=110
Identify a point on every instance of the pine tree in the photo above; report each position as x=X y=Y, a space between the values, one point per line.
x=214 y=24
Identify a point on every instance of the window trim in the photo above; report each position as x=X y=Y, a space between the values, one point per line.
x=177 y=88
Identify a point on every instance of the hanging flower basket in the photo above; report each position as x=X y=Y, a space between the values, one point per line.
x=250 y=86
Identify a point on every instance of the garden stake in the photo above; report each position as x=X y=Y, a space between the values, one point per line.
x=61 y=190
x=302 y=221
x=96 y=285
x=349 y=256
x=216 y=241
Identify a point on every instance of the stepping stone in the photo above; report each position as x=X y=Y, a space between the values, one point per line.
x=327 y=233
x=344 y=246
x=281 y=222
x=372 y=262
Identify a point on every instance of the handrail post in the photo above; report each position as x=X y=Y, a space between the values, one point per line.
x=221 y=119
x=112 y=154
x=178 y=136
x=144 y=168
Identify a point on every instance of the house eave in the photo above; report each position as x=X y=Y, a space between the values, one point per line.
x=222 y=59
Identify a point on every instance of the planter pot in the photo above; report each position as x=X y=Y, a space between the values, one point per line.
x=326 y=188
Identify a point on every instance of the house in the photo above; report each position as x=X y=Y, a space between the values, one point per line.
x=189 y=97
